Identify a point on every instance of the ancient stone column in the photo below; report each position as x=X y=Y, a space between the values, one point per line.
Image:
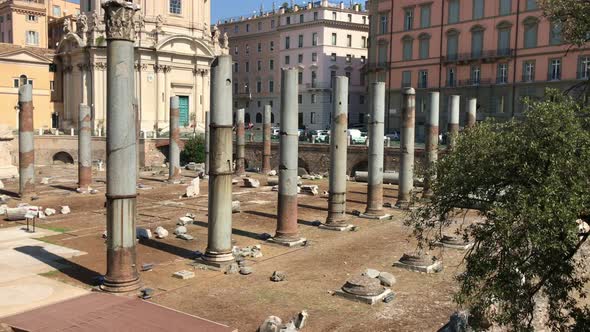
x=472 y=113
x=240 y=143
x=266 y=132
x=174 y=146
x=219 y=246
x=336 y=219
x=287 y=231
x=431 y=141
x=138 y=135
x=376 y=131
x=26 y=141
x=207 y=141
x=406 y=169
x=122 y=275
x=84 y=148
x=453 y=126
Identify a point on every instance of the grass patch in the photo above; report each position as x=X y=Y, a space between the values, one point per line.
x=55 y=229
x=49 y=274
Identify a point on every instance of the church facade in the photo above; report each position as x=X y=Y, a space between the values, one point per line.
x=174 y=47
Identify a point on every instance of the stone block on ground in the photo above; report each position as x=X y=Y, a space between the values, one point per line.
x=186 y=237
x=272 y=181
x=458 y=322
x=251 y=183
x=161 y=232
x=387 y=279
x=271 y=324
x=232 y=269
x=143 y=233
x=193 y=189
x=180 y=230
x=65 y=209
x=272 y=173
x=183 y=221
x=371 y=273
x=15 y=214
x=235 y=207
x=310 y=189
x=50 y=212
x=246 y=270
x=278 y=276
x=44 y=180
x=184 y=274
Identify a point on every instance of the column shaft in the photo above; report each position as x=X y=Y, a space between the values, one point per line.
x=453 y=126
x=287 y=229
x=174 y=146
x=26 y=141
x=207 y=141
x=431 y=141
x=377 y=130
x=219 y=246
x=84 y=148
x=266 y=133
x=240 y=143
x=406 y=180
x=338 y=151
x=472 y=113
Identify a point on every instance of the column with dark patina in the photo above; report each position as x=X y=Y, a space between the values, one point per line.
x=26 y=141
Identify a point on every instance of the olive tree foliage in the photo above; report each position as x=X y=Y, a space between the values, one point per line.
x=572 y=15
x=529 y=181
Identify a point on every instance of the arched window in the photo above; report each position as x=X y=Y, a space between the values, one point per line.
x=504 y=29
x=258 y=117
x=247 y=118
x=408 y=44
x=477 y=41
x=424 y=46
x=531 y=27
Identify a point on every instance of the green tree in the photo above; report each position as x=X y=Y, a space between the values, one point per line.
x=529 y=181
x=572 y=15
x=194 y=150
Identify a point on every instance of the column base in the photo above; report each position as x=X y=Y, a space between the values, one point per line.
x=402 y=205
x=364 y=298
x=215 y=262
x=174 y=181
x=114 y=286
x=290 y=242
x=337 y=227
x=375 y=216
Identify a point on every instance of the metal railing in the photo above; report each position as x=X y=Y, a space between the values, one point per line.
x=475 y=82
x=475 y=56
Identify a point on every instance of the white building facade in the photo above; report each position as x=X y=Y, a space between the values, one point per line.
x=321 y=39
x=174 y=48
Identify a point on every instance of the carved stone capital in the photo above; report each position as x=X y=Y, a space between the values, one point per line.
x=162 y=68
x=68 y=69
x=118 y=17
x=140 y=67
x=83 y=66
x=99 y=66
x=200 y=71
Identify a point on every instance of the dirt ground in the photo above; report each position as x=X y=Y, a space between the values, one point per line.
x=423 y=302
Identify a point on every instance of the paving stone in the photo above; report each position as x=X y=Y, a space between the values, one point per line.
x=186 y=237
x=180 y=230
x=161 y=232
x=65 y=209
x=387 y=279
x=184 y=274
x=143 y=233
x=371 y=273
x=278 y=276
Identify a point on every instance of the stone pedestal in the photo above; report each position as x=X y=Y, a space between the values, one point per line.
x=7 y=169
x=363 y=289
x=419 y=263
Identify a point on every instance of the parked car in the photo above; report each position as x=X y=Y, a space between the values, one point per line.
x=322 y=136
x=393 y=136
x=357 y=136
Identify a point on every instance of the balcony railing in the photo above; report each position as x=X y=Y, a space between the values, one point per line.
x=502 y=80
x=451 y=83
x=475 y=82
x=479 y=56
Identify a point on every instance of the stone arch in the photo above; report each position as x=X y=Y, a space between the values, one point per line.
x=69 y=42
x=424 y=35
x=504 y=25
x=362 y=165
x=477 y=27
x=194 y=43
x=62 y=157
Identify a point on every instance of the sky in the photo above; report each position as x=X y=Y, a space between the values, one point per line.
x=230 y=8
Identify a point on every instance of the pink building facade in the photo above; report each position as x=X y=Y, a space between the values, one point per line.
x=498 y=51
x=321 y=39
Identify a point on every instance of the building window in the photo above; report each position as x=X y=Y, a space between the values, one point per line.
x=315 y=16
x=504 y=41
x=452 y=45
x=364 y=42
x=259 y=26
x=406 y=79
x=333 y=57
x=364 y=20
x=56 y=10
x=554 y=69
x=424 y=46
x=52 y=85
x=272 y=24
x=271 y=86
x=300 y=41
x=584 y=67
x=247 y=27
x=531 y=4
x=300 y=99
x=425 y=11
x=361 y=99
x=451 y=77
x=334 y=39
x=15 y=83
x=301 y=18
x=475 y=75
x=287 y=42
x=236 y=28
x=314 y=39
x=478 y=9
x=272 y=46
x=259 y=48
x=314 y=57
x=382 y=55
x=236 y=67
x=175 y=7
x=288 y=20
x=259 y=65
x=271 y=64
x=236 y=51
x=314 y=79
x=423 y=79
x=408 y=44
x=31 y=18
x=505 y=7
x=300 y=77
x=247 y=49
x=453 y=11
x=258 y=87
x=300 y=58
x=287 y=60
x=383 y=23
x=476 y=42
x=530 y=33
x=349 y=40
x=313 y=99
x=363 y=59
x=349 y=17
x=502 y=76
x=334 y=16
x=408 y=19
x=348 y=58
x=32 y=38
x=528 y=71
x=555 y=33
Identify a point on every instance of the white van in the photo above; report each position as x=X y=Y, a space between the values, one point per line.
x=357 y=136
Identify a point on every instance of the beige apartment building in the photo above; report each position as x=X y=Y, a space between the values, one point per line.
x=173 y=51
x=321 y=39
